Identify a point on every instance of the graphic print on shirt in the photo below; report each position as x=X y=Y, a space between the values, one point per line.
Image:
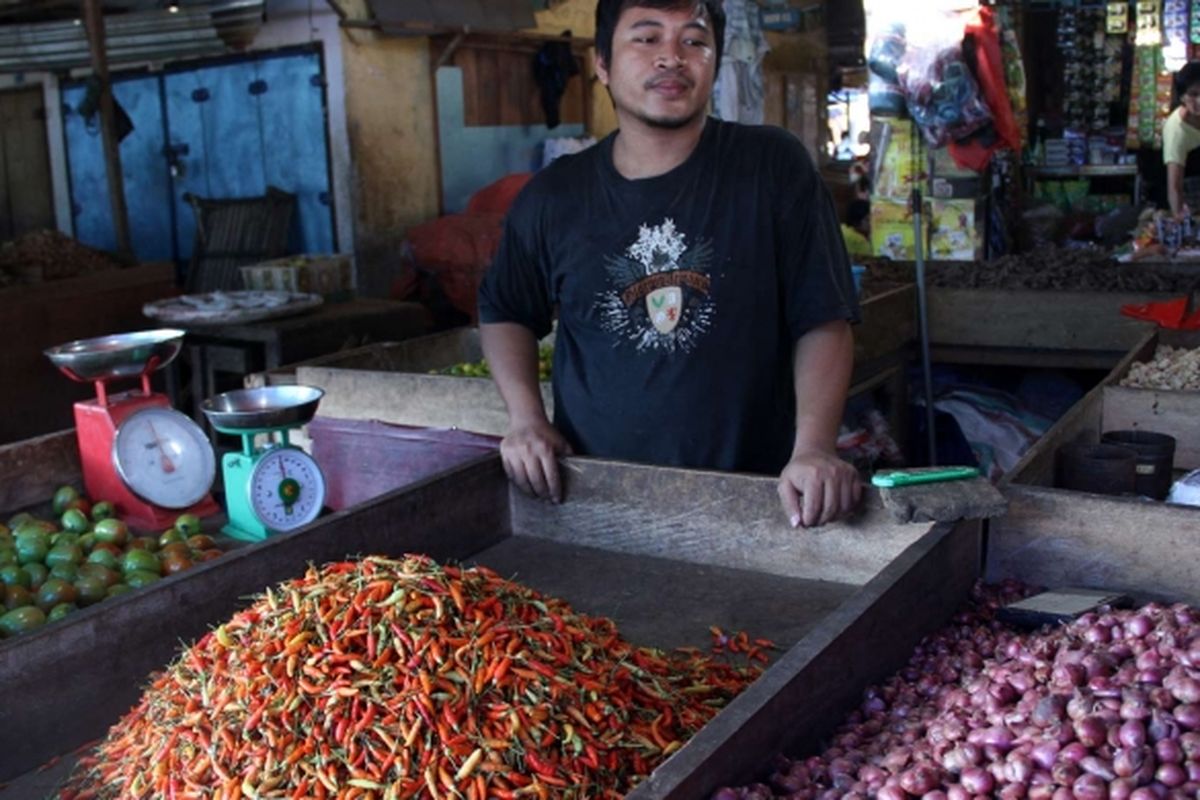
x=661 y=291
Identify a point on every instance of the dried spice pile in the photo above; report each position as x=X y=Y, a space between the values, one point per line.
x=400 y=678
x=1048 y=269
x=50 y=255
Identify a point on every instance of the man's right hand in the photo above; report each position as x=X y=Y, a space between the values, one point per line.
x=530 y=454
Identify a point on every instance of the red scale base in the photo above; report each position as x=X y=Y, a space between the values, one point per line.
x=96 y=423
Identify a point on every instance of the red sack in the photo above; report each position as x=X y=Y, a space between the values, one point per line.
x=1179 y=314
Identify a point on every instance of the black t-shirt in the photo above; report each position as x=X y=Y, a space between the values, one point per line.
x=679 y=297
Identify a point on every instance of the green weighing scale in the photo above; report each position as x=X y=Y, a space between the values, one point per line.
x=274 y=487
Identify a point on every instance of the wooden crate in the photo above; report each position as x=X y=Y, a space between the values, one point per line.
x=1033 y=328
x=35 y=396
x=665 y=552
x=1058 y=536
x=31 y=470
x=1174 y=413
x=390 y=382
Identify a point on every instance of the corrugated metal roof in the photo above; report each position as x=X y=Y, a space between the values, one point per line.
x=409 y=16
x=138 y=37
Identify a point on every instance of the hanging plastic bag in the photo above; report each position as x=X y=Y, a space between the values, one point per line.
x=1177 y=314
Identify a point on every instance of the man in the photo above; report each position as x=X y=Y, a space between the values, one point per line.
x=698 y=275
x=856 y=230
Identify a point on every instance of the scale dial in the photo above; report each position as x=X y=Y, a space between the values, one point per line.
x=287 y=489
x=164 y=458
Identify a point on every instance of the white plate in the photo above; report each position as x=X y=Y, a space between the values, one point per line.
x=229 y=308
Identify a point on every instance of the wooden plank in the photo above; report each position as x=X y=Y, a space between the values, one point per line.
x=1082 y=423
x=709 y=518
x=31 y=470
x=686 y=600
x=800 y=700
x=36 y=398
x=46 y=710
x=7 y=193
x=889 y=323
x=1085 y=321
x=1053 y=537
x=1173 y=413
x=1026 y=357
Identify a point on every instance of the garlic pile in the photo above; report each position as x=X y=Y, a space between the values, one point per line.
x=1173 y=369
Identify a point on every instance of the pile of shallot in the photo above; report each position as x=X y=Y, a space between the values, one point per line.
x=1104 y=708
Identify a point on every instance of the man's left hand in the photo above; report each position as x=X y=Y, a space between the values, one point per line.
x=817 y=487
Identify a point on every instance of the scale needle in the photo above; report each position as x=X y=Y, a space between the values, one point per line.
x=168 y=466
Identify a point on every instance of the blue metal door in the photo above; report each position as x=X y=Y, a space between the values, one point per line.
x=219 y=131
x=239 y=128
x=145 y=172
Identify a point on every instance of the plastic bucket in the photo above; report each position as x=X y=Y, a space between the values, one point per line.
x=1155 y=459
x=1098 y=468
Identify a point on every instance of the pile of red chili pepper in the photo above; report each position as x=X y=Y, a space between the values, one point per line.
x=384 y=678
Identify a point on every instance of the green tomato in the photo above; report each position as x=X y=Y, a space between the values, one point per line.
x=16 y=597
x=64 y=554
x=104 y=558
x=22 y=619
x=59 y=611
x=75 y=521
x=118 y=589
x=110 y=577
x=66 y=571
x=12 y=575
x=64 y=537
x=137 y=560
x=103 y=510
x=55 y=591
x=188 y=524
x=17 y=520
x=110 y=530
x=91 y=589
x=63 y=497
x=87 y=541
x=141 y=577
x=37 y=575
x=8 y=555
x=32 y=549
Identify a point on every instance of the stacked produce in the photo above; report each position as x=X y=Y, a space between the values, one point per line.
x=1173 y=369
x=480 y=369
x=49 y=255
x=399 y=678
x=1105 y=708
x=1063 y=269
x=48 y=570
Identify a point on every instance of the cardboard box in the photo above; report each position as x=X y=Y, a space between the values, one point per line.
x=953 y=234
x=903 y=162
x=328 y=276
x=892 y=234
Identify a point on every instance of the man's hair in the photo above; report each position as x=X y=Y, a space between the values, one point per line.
x=609 y=11
x=1188 y=76
x=856 y=212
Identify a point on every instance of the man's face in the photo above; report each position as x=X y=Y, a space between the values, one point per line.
x=1191 y=100
x=662 y=67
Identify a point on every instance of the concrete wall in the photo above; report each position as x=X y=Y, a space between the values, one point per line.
x=390 y=112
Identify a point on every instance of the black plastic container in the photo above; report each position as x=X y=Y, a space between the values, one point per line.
x=1097 y=468
x=1155 y=459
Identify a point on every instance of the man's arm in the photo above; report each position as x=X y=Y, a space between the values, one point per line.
x=1175 y=197
x=530 y=448
x=816 y=486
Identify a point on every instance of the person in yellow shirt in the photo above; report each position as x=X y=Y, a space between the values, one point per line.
x=1181 y=140
x=856 y=230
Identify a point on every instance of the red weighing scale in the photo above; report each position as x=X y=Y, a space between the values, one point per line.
x=152 y=462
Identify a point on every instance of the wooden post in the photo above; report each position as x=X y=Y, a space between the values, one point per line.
x=93 y=17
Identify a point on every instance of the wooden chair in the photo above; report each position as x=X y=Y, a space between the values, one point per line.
x=235 y=232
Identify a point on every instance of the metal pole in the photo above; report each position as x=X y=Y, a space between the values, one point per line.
x=923 y=316
x=93 y=16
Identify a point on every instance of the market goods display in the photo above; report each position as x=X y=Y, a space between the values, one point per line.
x=392 y=678
x=1173 y=369
x=49 y=255
x=49 y=570
x=1105 y=708
x=479 y=369
x=1063 y=269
